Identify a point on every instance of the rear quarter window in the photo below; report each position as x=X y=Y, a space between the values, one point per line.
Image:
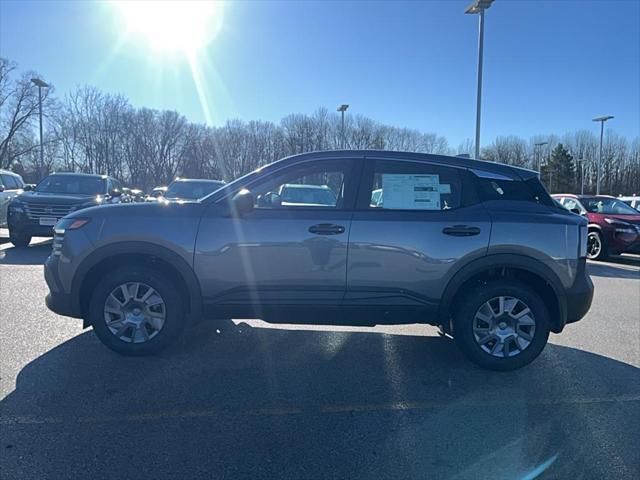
x=513 y=190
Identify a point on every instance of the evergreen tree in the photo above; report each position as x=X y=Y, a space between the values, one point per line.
x=559 y=172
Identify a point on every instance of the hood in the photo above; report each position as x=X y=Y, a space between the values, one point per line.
x=635 y=219
x=57 y=198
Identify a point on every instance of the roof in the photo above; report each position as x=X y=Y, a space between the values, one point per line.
x=580 y=196
x=206 y=180
x=510 y=171
x=8 y=172
x=77 y=174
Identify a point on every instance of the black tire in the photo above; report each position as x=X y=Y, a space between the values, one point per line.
x=174 y=322
x=19 y=240
x=604 y=250
x=471 y=302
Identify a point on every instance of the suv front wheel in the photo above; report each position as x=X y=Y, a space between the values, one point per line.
x=501 y=325
x=136 y=311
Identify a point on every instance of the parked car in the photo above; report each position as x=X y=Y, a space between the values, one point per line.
x=614 y=226
x=478 y=248
x=303 y=194
x=11 y=185
x=190 y=189
x=633 y=201
x=34 y=213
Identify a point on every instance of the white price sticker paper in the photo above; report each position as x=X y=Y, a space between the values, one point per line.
x=412 y=192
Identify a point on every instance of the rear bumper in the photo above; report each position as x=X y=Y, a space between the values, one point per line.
x=580 y=295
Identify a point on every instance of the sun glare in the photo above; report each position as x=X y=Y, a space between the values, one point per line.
x=171 y=26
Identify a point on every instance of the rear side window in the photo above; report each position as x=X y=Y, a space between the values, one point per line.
x=414 y=186
x=513 y=190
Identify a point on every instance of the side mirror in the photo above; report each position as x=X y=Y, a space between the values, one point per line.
x=1 y=188
x=576 y=211
x=242 y=202
x=114 y=192
x=29 y=187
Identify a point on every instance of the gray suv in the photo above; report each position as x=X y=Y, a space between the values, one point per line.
x=477 y=248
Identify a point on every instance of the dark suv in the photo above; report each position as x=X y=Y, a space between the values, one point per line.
x=34 y=213
x=614 y=226
x=478 y=248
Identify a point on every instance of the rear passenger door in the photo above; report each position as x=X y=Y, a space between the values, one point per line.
x=406 y=241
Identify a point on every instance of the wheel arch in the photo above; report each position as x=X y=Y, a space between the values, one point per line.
x=116 y=255
x=531 y=271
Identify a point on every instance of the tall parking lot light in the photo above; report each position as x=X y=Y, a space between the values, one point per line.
x=537 y=154
x=601 y=120
x=342 y=108
x=478 y=7
x=40 y=84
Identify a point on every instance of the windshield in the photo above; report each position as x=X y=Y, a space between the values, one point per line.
x=72 y=184
x=608 y=206
x=191 y=190
x=301 y=194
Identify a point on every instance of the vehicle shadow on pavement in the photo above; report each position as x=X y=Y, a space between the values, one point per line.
x=234 y=401
x=32 y=255
x=612 y=271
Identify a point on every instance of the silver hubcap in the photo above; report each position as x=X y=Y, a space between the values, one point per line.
x=134 y=312
x=594 y=245
x=504 y=326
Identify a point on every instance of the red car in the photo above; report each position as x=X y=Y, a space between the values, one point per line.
x=614 y=226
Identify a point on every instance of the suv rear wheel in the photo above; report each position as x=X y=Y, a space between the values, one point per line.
x=135 y=311
x=502 y=325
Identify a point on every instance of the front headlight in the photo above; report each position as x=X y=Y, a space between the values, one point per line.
x=621 y=226
x=16 y=207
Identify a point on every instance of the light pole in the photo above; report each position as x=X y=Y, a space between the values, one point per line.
x=537 y=149
x=342 y=108
x=478 y=7
x=601 y=120
x=581 y=161
x=40 y=84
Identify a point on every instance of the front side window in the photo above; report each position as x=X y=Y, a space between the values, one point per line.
x=310 y=185
x=415 y=186
x=72 y=184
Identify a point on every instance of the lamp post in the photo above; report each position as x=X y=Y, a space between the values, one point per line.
x=537 y=149
x=601 y=120
x=581 y=161
x=342 y=108
x=478 y=7
x=40 y=84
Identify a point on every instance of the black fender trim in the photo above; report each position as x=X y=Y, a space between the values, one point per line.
x=145 y=248
x=507 y=260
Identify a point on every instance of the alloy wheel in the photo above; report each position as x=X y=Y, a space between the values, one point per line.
x=594 y=245
x=504 y=326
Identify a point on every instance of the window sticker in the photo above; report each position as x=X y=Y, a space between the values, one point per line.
x=412 y=192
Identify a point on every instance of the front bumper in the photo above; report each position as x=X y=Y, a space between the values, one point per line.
x=580 y=295
x=62 y=304
x=21 y=224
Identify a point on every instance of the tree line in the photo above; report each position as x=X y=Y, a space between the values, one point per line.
x=94 y=132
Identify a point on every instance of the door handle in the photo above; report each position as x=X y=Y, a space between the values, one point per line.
x=326 y=229
x=461 y=231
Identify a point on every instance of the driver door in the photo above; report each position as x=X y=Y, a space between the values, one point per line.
x=291 y=249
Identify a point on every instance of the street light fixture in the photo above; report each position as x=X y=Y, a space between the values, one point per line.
x=537 y=154
x=342 y=108
x=478 y=7
x=601 y=120
x=40 y=84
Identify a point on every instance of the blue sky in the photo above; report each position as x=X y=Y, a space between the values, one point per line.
x=550 y=66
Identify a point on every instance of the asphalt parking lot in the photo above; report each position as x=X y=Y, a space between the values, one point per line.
x=243 y=399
